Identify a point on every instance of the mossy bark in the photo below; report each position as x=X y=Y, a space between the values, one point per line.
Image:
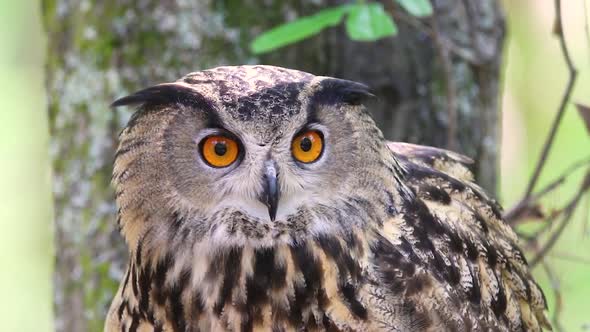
x=104 y=49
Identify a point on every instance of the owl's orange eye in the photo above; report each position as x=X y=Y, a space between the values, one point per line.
x=308 y=146
x=219 y=151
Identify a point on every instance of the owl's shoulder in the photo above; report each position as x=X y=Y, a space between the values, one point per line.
x=452 y=163
x=449 y=253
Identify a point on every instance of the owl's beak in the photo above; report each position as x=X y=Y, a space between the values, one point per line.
x=270 y=196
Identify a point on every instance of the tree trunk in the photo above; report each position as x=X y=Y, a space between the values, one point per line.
x=437 y=82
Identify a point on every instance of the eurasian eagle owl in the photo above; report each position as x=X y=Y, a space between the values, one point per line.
x=263 y=198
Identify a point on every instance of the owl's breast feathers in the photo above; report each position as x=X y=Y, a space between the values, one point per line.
x=441 y=259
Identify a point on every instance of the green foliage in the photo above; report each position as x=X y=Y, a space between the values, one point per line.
x=419 y=8
x=369 y=22
x=364 y=22
x=302 y=28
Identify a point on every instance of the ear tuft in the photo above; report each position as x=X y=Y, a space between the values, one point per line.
x=336 y=90
x=167 y=93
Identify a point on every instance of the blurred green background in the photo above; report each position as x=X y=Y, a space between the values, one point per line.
x=25 y=206
x=534 y=79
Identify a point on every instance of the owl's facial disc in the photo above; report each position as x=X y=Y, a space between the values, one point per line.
x=279 y=175
x=243 y=146
x=222 y=151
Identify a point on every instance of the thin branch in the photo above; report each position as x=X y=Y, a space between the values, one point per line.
x=570 y=258
x=514 y=214
x=586 y=219
x=568 y=213
x=586 y=28
x=451 y=90
x=552 y=239
x=555 y=285
x=533 y=239
x=558 y=30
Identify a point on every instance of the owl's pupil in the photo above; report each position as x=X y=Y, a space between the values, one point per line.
x=220 y=148
x=305 y=144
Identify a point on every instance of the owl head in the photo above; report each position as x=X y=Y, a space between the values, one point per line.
x=242 y=154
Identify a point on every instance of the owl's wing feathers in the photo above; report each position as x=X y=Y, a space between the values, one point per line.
x=469 y=272
x=452 y=163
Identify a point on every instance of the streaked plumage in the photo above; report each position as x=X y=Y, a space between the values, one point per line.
x=373 y=236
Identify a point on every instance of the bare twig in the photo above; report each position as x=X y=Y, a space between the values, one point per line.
x=558 y=30
x=568 y=212
x=529 y=201
x=525 y=203
x=451 y=91
x=586 y=28
x=519 y=209
x=570 y=258
x=555 y=285
x=585 y=218
x=533 y=239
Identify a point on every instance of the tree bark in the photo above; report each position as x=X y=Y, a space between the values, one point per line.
x=437 y=83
